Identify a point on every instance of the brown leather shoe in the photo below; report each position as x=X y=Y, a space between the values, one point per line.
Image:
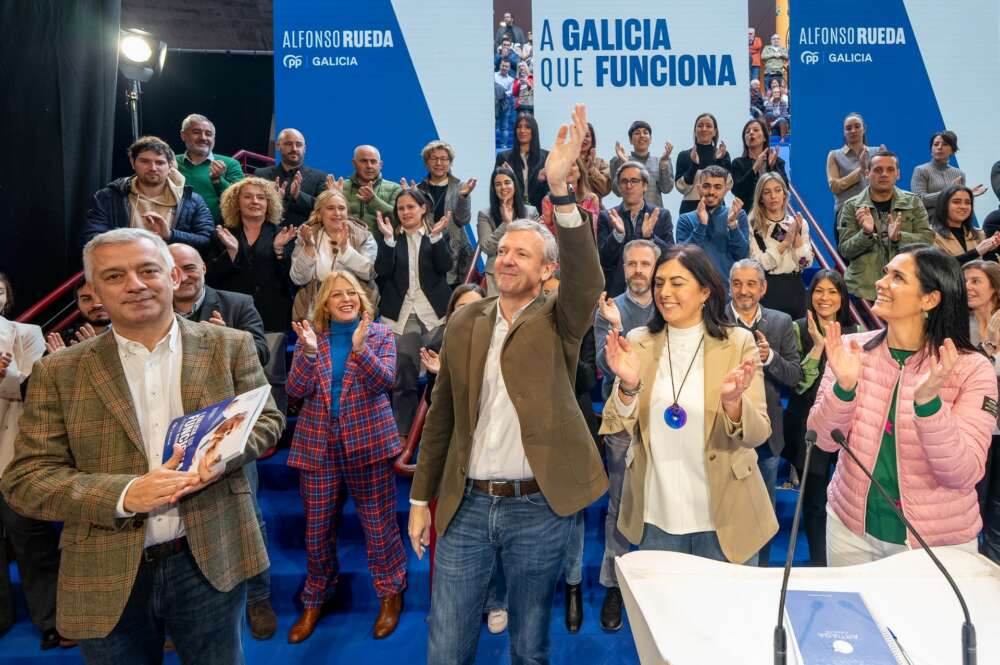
x=262 y=619
x=388 y=615
x=305 y=625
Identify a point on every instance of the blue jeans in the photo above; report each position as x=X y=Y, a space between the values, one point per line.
x=574 y=550
x=754 y=72
x=767 y=462
x=173 y=596
x=259 y=586
x=530 y=542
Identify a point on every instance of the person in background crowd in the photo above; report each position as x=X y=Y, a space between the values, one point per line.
x=330 y=241
x=598 y=171
x=780 y=243
x=640 y=135
x=505 y=111
x=847 y=166
x=366 y=191
x=776 y=112
x=952 y=221
x=933 y=177
x=624 y=313
x=448 y=194
x=634 y=218
x=345 y=442
x=774 y=57
x=506 y=205
x=506 y=53
x=195 y=301
x=430 y=356
x=298 y=184
x=982 y=282
x=95 y=320
x=756 y=44
x=506 y=28
x=207 y=173
x=150 y=199
x=828 y=303
x=136 y=530
x=527 y=160
x=756 y=160
x=34 y=543
x=707 y=151
x=940 y=396
x=722 y=231
x=523 y=89
x=779 y=357
x=254 y=257
x=411 y=270
x=756 y=101
x=579 y=184
x=714 y=387
x=876 y=223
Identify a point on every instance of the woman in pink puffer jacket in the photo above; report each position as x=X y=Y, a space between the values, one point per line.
x=918 y=404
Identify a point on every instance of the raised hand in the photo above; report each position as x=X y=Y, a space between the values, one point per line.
x=566 y=150
x=407 y=184
x=507 y=212
x=620 y=152
x=844 y=360
x=430 y=361
x=609 y=311
x=622 y=360
x=307 y=236
x=384 y=225
x=720 y=151
x=157 y=224
x=86 y=331
x=442 y=224
x=467 y=187
x=227 y=239
x=282 y=187
x=53 y=342
x=759 y=161
x=694 y=155
x=335 y=183
x=772 y=156
x=216 y=168
x=863 y=159
x=895 y=226
x=865 y=218
x=979 y=190
x=296 y=186
x=763 y=347
x=734 y=384
x=649 y=222
x=819 y=342
x=307 y=336
x=734 y=212
x=217 y=319
x=668 y=148
x=617 y=223
x=940 y=369
x=702 y=212
x=361 y=333
x=285 y=235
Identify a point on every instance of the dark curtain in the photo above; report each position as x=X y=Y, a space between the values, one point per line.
x=59 y=69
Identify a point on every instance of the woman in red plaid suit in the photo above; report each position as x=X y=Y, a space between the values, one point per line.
x=345 y=441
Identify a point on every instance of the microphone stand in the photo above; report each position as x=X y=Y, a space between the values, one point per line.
x=780 y=637
x=968 y=630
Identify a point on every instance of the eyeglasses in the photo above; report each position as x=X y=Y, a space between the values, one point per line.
x=439 y=160
x=630 y=182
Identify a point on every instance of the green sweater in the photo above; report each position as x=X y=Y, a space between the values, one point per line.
x=386 y=193
x=199 y=178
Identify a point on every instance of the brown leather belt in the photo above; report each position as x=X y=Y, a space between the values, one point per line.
x=507 y=488
x=155 y=553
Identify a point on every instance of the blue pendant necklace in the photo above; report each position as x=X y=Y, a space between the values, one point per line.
x=675 y=415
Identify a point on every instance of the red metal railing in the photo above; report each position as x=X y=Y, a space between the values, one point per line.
x=35 y=310
x=244 y=156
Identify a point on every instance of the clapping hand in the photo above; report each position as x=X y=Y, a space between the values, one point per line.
x=157 y=224
x=763 y=347
x=734 y=212
x=623 y=361
x=819 y=342
x=668 y=148
x=441 y=225
x=979 y=190
x=217 y=319
x=361 y=333
x=720 y=151
x=895 y=226
x=335 y=183
x=760 y=161
x=864 y=217
x=384 y=225
x=216 y=168
x=296 y=186
x=228 y=240
x=617 y=223
x=467 y=187
x=407 y=184
x=283 y=237
x=940 y=369
x=507 y=212
x=366 y=193
x=609 y=311
x=844 y=360
x=307 y=236
x=430 y=361
x=53 y=342
x=620 y=152
x=734 y=384
x=702 y=212
x=5 y=360
x=649 y=221
x=307 y=336
x=989 y=244
x=84 y=332
x=694 y=155
x=772 y=156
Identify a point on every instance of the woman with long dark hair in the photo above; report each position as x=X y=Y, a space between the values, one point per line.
x=690 y=392
x=707 y=150
x=827 y=302
x=506 y=205
x=918 y=402
x=597 y=170
x=930 y=179
x=954 y=232
x=756 y=160
x=527 y=159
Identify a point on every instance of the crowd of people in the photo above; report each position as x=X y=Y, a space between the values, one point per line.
x=367 y=274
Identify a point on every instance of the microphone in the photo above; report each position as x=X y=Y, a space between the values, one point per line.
x=780 y=637
x=968 y=630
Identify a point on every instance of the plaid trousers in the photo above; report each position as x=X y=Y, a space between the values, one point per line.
x=324 y=494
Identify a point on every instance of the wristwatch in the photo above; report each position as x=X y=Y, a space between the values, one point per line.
x=568 y=199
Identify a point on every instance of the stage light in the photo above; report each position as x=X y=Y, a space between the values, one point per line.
x=141 y=56
x=136 y=49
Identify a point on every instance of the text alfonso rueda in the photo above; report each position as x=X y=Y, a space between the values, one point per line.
x=638 y=69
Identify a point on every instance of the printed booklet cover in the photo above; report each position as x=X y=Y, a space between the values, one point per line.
x=222 y=428
x=837 y=628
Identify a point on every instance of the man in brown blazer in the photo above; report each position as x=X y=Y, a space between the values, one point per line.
x=505 y=449
x=145 y=548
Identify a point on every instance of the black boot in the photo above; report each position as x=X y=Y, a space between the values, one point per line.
x=611 y=609
x=574 y=608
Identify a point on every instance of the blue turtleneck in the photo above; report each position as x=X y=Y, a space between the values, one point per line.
x=340 y=349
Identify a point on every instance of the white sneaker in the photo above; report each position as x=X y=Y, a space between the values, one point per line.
x=496 y=621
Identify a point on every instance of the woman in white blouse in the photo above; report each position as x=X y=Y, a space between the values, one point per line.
x=780 y=243
x=689 y=390
x=329 y=241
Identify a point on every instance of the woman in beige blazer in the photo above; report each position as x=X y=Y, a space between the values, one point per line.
x=689 y=389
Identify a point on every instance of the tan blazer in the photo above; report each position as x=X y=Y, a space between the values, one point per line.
x=741 y=509
x=80 y=444
x=952 y=247
x=538 y=361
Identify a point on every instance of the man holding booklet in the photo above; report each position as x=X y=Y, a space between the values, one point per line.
x=147 y=548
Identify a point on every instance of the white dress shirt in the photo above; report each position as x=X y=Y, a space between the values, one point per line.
x=154 y=384
x=414 y=302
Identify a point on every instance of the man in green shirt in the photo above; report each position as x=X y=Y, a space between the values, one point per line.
x=366 y=191
x=208 y=174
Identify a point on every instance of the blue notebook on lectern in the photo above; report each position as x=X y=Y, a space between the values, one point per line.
x=837 y=628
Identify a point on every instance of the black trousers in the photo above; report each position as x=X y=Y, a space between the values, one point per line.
x=989 y=503
x=36 y=547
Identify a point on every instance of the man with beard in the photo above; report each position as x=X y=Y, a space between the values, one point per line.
x=95 y=321
x=723 y=232
x=299 y=184
x=640 y=135
x=633 y=218
x=366 y=191
x=209 y=174
x=629 y=310
x=151 y=199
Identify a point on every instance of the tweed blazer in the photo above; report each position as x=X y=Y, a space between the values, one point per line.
x=738 y=501
x=366 y=430
x=80 y=445
x=538 y=362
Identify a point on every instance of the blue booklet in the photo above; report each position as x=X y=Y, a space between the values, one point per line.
x=837 y=628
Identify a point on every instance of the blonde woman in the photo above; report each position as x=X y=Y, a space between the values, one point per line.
x=254 y=257
x=780 y=242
